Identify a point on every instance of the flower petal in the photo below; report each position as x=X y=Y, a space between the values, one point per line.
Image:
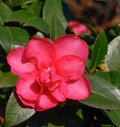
x=77 y=27
x=45 y=101
x=70 y=67
x=71 y=45
x=40 y=50
x=58 y=92
x=79 y=89
x=27 y=88
x=15 y=60
x=27 y=103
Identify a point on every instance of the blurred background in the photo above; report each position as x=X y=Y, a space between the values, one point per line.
x=97 y=13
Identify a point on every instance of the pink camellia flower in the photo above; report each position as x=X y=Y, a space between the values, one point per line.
x=77 y=27
x=50 y=72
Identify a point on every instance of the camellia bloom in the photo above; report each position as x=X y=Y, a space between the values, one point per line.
x=50 y=72
x=77 y=27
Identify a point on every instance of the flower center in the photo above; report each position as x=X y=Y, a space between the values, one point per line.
x=47 y=79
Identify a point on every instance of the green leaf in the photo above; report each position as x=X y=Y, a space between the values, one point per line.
x=11 y=37
x=20 y=36
x=56 y=28
x=114 y=116
x=7 y=79
x=35 y=7
x=103 y=94
x=54 y=9
x=16 y=114
x=38 y=23
x=113 y=55
x=19 y=16
x=99 y=50
x=112 y=76
x=5 y=39
x=5 y=11
x=80 y=113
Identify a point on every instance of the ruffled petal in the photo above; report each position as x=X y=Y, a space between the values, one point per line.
x=78 y=90
x=70 y=67
x=77 y=27
x=57 y=91
x=40 y=50
x=15 y=60
x=45 y=101
x=71 y=45
x=27 y=103
x=27 y=89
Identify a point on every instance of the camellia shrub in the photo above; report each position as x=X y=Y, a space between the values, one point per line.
x=55 y=71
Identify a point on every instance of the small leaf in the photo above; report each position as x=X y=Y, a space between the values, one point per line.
x=113 y=55
x=16 y=114
x=103 y=94
x=114 y=116
x=7 y=79
x=80 y=113
x=19 y=16
x=11 y=37
x=5 y=11
x=56 y=28
x=38 y=23
x=55 y=9
x=99 y=50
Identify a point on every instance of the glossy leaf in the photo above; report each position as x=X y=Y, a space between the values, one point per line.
x=112 y=76
x=99 y=50
x=114 y=116
x=113 y=55
x=38 y=23
x=35 y=7
x=7 y=79
x=11 y=37
x=103 y=94
x=5 y=11
x=5 y=39
x=54 y=9
x=16 y=114
x=56 y=28
x=19 y=16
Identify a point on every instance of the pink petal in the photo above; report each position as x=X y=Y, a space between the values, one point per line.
x=71 y=45
x=28 y=103
x=40 y=50
x=77 y=27
x=27 y=89
x=45 y=101
x=15 y=60
x=58 y=92
x=79 y=89
x=70 y=67
x=55 y=85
